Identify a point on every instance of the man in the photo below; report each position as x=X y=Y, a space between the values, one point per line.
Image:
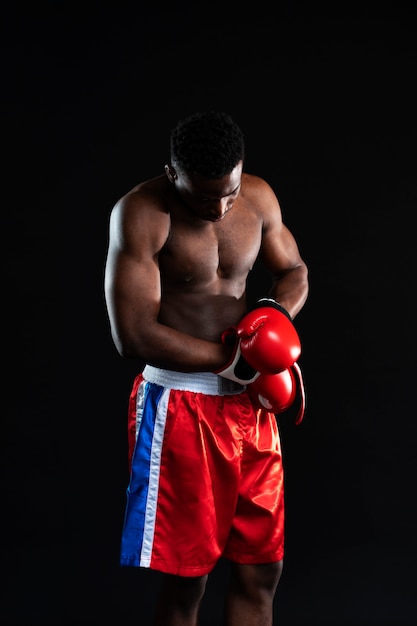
x=205 y=463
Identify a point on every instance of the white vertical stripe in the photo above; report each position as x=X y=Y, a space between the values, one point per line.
x=153 y=490
x=140 y=403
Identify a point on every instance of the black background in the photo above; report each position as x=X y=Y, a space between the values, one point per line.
x=328 y=107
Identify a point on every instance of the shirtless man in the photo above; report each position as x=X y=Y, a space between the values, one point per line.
x=206 y=477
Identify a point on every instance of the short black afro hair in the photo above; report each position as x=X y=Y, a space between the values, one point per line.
x=209 y=143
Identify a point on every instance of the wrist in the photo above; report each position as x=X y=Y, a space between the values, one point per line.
x=268 y=301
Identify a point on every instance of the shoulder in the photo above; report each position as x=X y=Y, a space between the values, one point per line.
x=255 y=186
x=147 y=197
x=147 y=201
x=260 y=195
x=142 y=211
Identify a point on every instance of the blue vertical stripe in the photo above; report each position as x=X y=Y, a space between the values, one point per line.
x=137 y=491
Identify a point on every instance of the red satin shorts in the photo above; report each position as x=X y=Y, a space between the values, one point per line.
x=206 y=476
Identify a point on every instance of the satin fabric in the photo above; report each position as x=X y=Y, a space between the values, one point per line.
x=206 y=481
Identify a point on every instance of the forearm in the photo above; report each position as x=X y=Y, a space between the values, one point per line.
x=165 y=347
x=291 y=289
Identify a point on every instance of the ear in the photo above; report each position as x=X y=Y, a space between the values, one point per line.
x=171 y=173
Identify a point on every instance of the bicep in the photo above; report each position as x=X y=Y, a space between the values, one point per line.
x=132 y=287
x=279 y=249
x=132 y=279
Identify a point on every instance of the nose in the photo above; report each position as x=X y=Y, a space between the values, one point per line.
x=222 y=206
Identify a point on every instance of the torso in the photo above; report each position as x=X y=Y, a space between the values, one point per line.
x=204 y=266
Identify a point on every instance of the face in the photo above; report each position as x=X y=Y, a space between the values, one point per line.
x=208 y=199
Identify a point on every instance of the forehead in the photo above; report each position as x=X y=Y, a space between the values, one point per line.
x=217 y=187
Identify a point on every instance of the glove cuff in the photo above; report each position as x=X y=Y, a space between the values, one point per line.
x=274 y=304
x=238 y=369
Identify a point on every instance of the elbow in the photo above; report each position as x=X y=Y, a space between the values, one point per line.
x=301 y=271
x=128 y=348
x=126 y=352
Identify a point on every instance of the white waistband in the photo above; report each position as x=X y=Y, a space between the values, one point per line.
x=199 y=382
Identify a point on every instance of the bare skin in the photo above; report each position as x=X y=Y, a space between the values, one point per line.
x=179 y=256
x=249 y=597
x=180 y=251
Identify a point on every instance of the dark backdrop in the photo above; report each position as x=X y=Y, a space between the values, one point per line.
x=327 y=104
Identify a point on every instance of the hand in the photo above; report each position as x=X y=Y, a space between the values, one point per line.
x=278 y=392
x=265 y=341
x=269 y=341
x=238 y=369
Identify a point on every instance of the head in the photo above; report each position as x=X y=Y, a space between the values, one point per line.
x=207 y=153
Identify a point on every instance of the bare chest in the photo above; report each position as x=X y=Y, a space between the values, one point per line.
x=216 y=251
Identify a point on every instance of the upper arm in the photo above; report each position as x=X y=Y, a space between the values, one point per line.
x=279 y=250
x=281 y=256
x=138 y=230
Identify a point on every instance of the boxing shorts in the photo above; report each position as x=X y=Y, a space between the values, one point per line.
x=206 y=476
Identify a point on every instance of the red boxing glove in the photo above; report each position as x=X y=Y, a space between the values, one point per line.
x=274 y=392
x=278 y=392
x=238 y=369
x=268 y=339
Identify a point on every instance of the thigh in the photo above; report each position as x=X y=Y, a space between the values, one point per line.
x=257 y=535
x=199 y=480
x=184 y=480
